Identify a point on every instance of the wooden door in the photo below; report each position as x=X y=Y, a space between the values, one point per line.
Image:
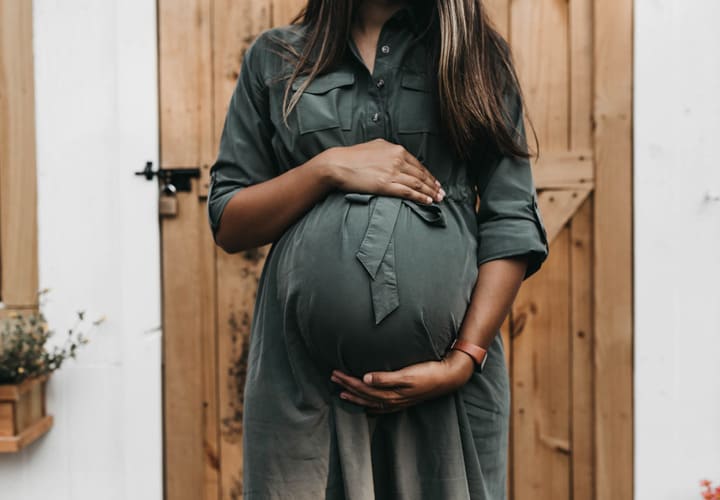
x=569 y=334
x=570 y=330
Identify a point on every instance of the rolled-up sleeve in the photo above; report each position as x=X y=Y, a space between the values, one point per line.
x=245 y=155
x=508 y=220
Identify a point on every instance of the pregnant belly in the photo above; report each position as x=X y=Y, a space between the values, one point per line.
x=375 y=282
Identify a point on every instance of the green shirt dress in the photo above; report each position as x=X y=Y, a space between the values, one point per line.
x=366 y=282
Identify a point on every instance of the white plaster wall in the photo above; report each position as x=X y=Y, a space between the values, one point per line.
x=96 y=109
x=677 y=247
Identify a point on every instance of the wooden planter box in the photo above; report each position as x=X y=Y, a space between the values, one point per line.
x=22 y=414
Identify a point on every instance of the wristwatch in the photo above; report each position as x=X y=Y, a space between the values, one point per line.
x=476 y=352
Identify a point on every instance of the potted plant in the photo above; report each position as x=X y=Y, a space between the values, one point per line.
x=26 y=363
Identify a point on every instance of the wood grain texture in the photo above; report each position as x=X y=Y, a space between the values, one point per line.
x=284 y=10
x=184 y=38
x=613 y=240
x=14 y=444
x=207 y=314
x=541 y=380
x=18 y=177
x=539 y=37
x=237 y=283
x=23 y=418
x=7 y=418
x=558 y=207
x=581 y=74
x=565 y=170
x=189 y=341
x=582 y=418
x=186 y=328
x=499 y=12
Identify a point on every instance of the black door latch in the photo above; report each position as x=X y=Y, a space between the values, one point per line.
x=172 y=179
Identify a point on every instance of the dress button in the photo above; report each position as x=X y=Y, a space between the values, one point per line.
x=385 y=49
x=375 y=117
x=380 y=83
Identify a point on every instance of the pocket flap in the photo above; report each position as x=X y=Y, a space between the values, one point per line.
x=325 y=82
x=416 y=81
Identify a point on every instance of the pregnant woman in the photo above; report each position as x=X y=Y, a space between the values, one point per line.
x=357 y=140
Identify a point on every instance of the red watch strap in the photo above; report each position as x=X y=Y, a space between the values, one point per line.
x=474 y=351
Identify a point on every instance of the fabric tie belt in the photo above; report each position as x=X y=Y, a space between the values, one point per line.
x=377 y=250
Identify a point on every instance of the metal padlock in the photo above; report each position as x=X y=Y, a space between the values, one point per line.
x=168 y=202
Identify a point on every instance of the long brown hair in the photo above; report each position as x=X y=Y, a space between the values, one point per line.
x=473 y=62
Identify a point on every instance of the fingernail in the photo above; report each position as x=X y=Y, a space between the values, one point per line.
x=367 y=379
x=343 y=395
x=429 y=200
x=442 y=192
x=437 y=182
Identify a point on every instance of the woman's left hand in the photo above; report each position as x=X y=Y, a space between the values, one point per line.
x=385 y=392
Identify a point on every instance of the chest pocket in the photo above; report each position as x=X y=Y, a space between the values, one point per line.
x=417 y=111
x=326 y=103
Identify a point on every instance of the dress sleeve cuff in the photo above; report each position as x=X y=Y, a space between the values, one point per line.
x=216 y=205
x=514 y=236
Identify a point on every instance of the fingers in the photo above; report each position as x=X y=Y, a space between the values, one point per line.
x=359 y=400
x=360 y=390
x=419 y=178
x=421 y=171
x=387 y=379
x=407 y=186
x=374 y=407
x=409 y=172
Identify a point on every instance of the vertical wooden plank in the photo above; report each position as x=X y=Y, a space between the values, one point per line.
x=18 y=178
x=613 y=248
x=541 y=382
x=539 y=37
x=185 y=82
x=582 y=408
x=207 y=303
x=190 y=453
x=235 y=27
x=581 y=73
x=284 y=10
x=238 y=277
x=189 y=342
x=499 y=13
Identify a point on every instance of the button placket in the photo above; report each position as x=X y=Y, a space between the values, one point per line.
x=376 y=115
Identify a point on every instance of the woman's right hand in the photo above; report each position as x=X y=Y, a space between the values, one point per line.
x=381 y=167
